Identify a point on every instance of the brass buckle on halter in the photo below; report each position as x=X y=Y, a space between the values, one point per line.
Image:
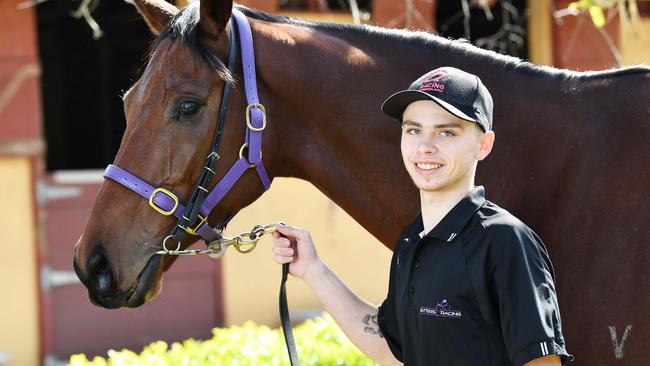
x=248 y=117
x=158 y=208
x=193 y=231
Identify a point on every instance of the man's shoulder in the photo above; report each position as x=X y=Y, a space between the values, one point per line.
x=507 y=238
x=501 y=226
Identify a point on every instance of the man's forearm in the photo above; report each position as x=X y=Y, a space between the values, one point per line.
x=356 y=317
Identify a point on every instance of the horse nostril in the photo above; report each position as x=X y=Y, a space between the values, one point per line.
x=100 y=274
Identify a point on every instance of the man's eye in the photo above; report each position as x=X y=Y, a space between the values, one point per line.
x=412 y=131
x=447 y=133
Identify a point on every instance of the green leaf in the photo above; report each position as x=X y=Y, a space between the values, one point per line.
x=597 y=16
x=320 y=342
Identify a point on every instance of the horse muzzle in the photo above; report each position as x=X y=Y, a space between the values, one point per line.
x=100 y=280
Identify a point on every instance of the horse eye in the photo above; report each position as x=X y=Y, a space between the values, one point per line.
x=188 y=108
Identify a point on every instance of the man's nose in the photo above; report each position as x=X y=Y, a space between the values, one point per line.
x=428 y=147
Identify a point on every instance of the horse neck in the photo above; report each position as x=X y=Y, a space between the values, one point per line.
x=325 y=90
x=321 y=126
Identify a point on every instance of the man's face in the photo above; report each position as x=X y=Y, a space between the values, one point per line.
x=440 y=150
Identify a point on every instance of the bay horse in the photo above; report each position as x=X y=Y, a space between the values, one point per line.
x=571 y=157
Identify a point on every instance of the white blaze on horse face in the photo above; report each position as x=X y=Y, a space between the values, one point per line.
x=618 y=346
x=439 y=149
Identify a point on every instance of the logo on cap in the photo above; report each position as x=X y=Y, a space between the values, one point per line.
x=432 y=83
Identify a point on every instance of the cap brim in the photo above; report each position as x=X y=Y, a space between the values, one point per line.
x=395 y=105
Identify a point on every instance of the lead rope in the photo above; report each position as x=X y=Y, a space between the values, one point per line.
x=285 y=320
x=245 y=243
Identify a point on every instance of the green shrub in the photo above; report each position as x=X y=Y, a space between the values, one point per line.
x=320 y=342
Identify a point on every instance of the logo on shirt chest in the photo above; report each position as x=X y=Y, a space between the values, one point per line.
x=442 y=309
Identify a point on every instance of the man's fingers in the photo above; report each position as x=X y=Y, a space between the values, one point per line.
x=282 y=242
x=290 y=231
x=287 y=252
x=282 y=260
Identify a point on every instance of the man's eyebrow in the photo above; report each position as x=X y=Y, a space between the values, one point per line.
x=450 y=125
x=440 y=125
x=411 y=123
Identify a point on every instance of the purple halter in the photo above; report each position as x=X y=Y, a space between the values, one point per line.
x=164 y=201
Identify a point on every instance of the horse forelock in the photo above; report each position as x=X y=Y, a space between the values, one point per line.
x=184 y=27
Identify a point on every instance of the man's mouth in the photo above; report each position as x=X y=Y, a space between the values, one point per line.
x=428 y=166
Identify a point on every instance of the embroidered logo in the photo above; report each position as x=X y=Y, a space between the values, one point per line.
x=442 y=309
x=432 y=83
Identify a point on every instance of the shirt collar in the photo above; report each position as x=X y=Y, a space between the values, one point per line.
x=455 y=220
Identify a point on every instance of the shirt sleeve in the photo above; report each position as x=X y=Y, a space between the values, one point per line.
x=525 y=290
x=386 y=318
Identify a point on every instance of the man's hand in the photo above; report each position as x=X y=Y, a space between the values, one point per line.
x=294 y=245
x=550 y=360
x=355 y=316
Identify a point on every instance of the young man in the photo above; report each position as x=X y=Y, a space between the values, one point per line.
x=469 y=284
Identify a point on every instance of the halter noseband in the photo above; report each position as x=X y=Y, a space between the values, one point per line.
x=192 y=219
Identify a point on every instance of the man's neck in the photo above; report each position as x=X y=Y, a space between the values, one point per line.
x=436 y=204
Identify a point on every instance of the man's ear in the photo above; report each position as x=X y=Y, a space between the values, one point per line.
x=486 y=142
x=157 y=13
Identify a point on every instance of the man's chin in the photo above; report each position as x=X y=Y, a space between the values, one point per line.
x=431 y=187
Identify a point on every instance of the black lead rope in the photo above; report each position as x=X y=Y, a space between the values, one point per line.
x=286 y=320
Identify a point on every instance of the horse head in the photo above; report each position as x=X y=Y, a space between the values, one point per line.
x=171 y=114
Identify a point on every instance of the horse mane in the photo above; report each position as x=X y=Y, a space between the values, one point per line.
x=185 y=27
x=461 y=46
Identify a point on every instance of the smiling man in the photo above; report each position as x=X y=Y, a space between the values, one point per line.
x=469 y=284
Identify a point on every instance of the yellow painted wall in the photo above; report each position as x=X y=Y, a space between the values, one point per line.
x=337 y=17
x=251 y=281
x=635 y=47
x=18 y=280
x=634 y=40
x=540 y=33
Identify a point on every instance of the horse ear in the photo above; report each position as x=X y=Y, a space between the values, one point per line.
x=215 y=15
x=157 y=13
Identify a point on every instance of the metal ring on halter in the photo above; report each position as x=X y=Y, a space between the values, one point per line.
x=164 y=244
x=248 y=117
x=241 y=153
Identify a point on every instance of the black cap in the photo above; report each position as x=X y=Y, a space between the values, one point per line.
x=460 y=93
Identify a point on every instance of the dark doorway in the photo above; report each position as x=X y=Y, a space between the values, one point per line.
x=504 y=33
x=83 y=79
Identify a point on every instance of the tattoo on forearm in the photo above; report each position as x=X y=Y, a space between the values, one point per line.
x=371 y=325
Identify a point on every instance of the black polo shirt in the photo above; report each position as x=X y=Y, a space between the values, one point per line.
x=478 y=289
